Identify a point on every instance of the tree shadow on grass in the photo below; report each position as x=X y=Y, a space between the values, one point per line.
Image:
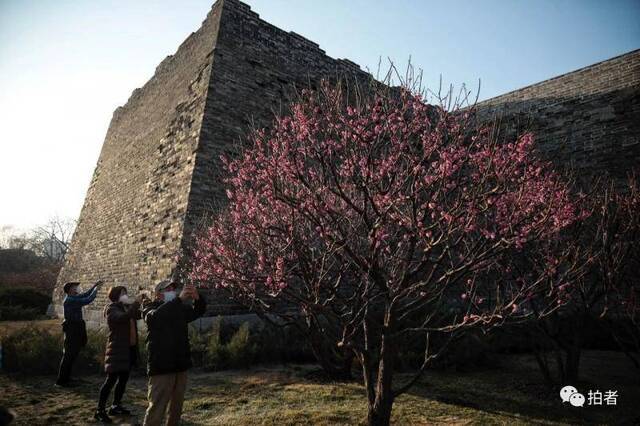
x=519 y=392
x=495 y=404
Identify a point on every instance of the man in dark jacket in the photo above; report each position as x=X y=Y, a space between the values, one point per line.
x=74 y=327
x=168 y=348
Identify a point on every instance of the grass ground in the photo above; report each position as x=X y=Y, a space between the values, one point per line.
x=292 y=395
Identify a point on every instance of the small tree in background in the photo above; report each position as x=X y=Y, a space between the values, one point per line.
x=617 y=238
x=33 y=259
x=563 y=264
x=383 y=221
x=53 y=239
x=601 y=255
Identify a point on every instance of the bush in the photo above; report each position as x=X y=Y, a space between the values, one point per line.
x=216 y=352
x=91 y=358
x=281 y=345
x=20 y=260
x=22 y=304
x=19 y=313
x=227 y=346
x=33 y=350
x=241 y=351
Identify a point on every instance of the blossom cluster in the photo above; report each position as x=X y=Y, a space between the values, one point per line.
x=405 y=194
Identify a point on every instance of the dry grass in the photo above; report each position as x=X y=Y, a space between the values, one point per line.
x=286 y=395
x=290 y=395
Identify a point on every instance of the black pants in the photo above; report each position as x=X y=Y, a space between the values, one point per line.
x=121 y=377
x=75 y=338
x=105 y=390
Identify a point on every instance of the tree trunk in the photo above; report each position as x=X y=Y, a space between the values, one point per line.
x=380 y=411
x=573 y=351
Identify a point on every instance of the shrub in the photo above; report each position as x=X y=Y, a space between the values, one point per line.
x=227 y=346
x=91 y=357
x=19 y=313
x=42 y=280
x=22 y=303
x=216 y=354
x=20 y=260
x=240 y=350
x=259 y=342
x=281 y=345
x=33 y=350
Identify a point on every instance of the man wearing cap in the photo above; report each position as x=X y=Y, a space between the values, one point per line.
x=74 y=327
x=167 y=319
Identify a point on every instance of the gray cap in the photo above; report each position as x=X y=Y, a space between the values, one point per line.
x=164 y=284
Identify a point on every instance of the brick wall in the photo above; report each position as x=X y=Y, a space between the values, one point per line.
x=131 y=224
x=159 y=169
x=256 y=68
x=158 y=173
x=588 y=120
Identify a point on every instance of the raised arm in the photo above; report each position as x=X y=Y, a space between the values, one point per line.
x=88 y=292
x=198 y=309
x=156 y=315
x=115 y=314
x=82 y=299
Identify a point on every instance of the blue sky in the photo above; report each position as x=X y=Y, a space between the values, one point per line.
x=66 y=65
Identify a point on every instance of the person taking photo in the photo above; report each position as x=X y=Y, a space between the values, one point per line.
x=121 y=352
x=74 y=327
x=167 y=319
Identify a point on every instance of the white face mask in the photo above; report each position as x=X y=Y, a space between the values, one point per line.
x=169 y=295
x=125 y=299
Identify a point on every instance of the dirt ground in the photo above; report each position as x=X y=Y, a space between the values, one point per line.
x=292 y=395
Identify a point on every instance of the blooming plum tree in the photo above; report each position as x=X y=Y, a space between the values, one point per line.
x=381 y=221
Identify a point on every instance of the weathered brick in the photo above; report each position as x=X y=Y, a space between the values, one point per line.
x=159 y=169
x=588 y=119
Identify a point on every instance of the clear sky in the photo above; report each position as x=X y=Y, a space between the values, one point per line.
x=66 y=65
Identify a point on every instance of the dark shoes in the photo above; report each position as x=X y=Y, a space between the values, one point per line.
x=68 y=384
x=102 y=416
x=119 y=410
x=71 y=383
